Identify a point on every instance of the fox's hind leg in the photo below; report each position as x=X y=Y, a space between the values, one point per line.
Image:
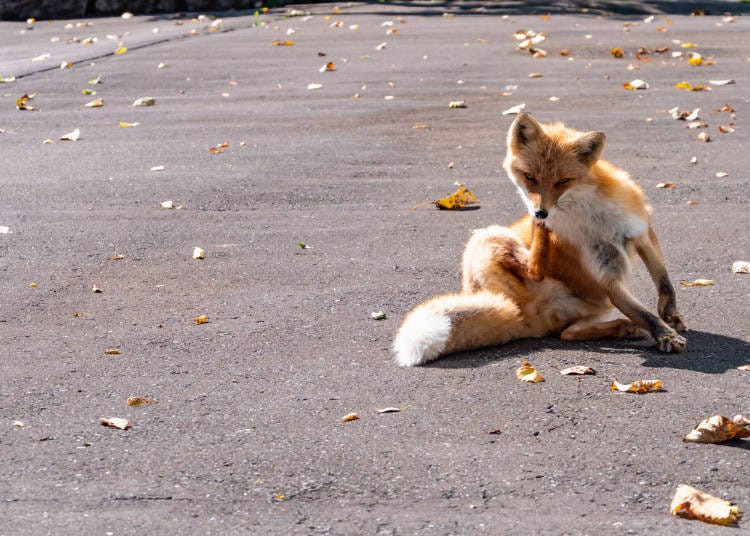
x=592 y=329
x=495 y=260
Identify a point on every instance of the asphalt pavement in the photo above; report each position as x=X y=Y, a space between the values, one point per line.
x=292 y=146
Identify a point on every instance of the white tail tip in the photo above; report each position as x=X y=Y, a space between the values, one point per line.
x=422 y=337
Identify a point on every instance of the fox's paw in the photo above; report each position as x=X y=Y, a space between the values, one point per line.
x=671 y=342
x=675 y=320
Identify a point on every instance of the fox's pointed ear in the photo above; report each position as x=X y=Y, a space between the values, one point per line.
x=590 y=146
x=523 y=130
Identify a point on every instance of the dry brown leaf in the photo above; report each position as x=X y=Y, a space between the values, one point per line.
x=112 y=351
x=665 y=185
x=139 y=401
x=691 y=503
x=616 y=52
x=350 y=417
x=726 y=129
x=202 y=319
x=458 y=200
x=698 y=283
x=741 y=267
x=578 y=370
x=116 y=422
x=22 y=103
x=640 y=386
x=718 y=428
x=527 y=373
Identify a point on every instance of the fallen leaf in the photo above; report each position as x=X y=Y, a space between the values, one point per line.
x=18 y=424
x=280 y=43
x=112 y=351
x=683 y=85
x=124 y=124
x=704 y=137
x=116 y=422
x=313 y=85
x=87 y=91
x=96 y=290
x=117 y=257
x=527 y=373
x=381 y=46
x=636 y=84
x=144 y=101
x=721 y=82
x=350 y=417
x=121 y=50
x=327 y=67
x=741 y=267
x=665 y=185
x=578 y=370
x=139 y=401
x=96 y=103
x=458 y=104
x=536 y=75
x=694 y=160
x=695 y=59
x=158 y=168
x=726 y=108
x=390 y=409
x=199 y=253
x=97 y=80
x=517 y=109
x=302 y=245
x=640 y=386
x=168 y=204
x=691 y=503
x=458 y=200
x=698 y=283
x=202 y=319
x=41 y=57
x=22 y=103
x=721 y=174
x=378 y=315
x=717 y=428
x=71 y=136
x=700 y=87
x=32 y=285
x=4 y=229
x=616 y=52
x=726 y=129
x=696 y=124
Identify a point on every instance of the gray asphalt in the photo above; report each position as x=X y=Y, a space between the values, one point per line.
x=245 y=435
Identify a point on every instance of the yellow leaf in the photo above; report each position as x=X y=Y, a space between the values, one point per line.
x=695 y=59
x=280 y=43
x=716 y=429
x=691 y=503
x=96 y=103
x=640 y=386
x=121 y=50
x=202 y=319
x=688 y=45
x=683 y=85
x=124 y=124
x=527 y=373
x=616 y=52
x=139 y=401
x=112 y=351
x=698 y=283
x=458 y=200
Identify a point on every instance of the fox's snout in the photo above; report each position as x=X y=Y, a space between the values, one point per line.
x=540 y=214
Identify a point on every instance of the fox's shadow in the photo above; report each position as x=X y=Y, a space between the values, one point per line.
x=706 y=352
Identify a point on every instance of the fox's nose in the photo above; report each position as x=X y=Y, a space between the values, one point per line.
x=541 y=214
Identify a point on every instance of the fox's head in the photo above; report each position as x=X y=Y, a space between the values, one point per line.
x=546 y=161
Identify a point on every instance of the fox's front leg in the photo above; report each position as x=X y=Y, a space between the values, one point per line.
x=667 y=339
x=649 y=250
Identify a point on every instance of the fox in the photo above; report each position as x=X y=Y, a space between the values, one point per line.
x=564 y=268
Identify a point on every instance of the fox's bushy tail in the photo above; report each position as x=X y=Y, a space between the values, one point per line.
x=456 y=322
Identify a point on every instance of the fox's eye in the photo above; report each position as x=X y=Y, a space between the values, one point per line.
x=530 y=178
x=562 y=181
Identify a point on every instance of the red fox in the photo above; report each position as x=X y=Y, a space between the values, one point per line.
x=563 y=268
